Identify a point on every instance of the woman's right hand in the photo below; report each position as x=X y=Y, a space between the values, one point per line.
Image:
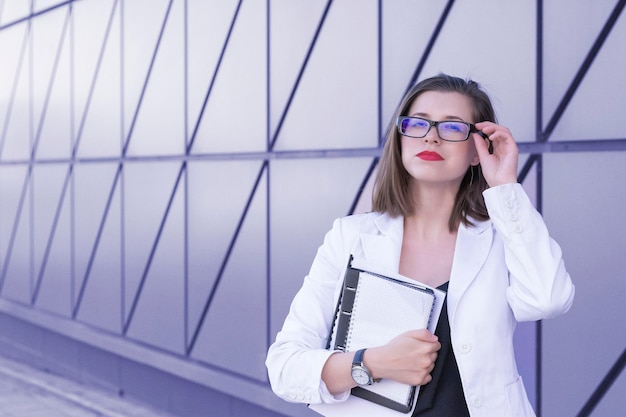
x=408 y=358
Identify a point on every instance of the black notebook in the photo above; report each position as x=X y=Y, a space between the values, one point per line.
x=375 y=307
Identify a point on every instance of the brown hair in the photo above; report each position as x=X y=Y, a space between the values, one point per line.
x=391 y=190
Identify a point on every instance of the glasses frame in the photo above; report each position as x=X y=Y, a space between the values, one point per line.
x=471 y=128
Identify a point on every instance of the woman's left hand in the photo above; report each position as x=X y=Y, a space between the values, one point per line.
x=500 y=167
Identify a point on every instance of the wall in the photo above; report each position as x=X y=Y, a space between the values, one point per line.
x=168 y=169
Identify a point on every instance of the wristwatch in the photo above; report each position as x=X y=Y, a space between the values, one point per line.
x=360 y=373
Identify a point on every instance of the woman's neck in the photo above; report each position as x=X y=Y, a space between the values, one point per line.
x=433 y=207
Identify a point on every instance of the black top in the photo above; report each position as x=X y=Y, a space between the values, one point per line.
x=443 y=396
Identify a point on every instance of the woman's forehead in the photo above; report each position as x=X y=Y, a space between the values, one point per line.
x=440 y=105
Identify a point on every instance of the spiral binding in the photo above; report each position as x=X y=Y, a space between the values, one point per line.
x=348 y=342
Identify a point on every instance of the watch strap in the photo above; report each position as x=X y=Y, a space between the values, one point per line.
x=358 y=357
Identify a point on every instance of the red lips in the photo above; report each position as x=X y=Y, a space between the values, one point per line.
x=429 y=156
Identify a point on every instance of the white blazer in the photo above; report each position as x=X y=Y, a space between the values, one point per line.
x=506 y=269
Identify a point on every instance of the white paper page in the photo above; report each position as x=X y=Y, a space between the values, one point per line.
x=383 y=310
x=439 y=295
x=355 y=407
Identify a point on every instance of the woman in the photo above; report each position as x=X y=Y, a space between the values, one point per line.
x=448 y=212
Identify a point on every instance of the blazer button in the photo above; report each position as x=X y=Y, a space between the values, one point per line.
x=466 y=347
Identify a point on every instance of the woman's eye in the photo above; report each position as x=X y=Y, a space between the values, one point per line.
x=453 y=127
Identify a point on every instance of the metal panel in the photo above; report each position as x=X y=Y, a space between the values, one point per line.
x=584 y=211
x=234 y=113
x=306 y=196
x=331 y=104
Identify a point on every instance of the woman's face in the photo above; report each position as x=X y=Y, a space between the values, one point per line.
x=431 y=159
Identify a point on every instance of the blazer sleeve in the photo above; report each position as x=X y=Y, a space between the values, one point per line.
x=296 y=358
x=540 y=286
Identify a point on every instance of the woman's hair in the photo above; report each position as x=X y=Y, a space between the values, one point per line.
x=391 y=189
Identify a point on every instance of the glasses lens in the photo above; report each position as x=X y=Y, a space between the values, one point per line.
x=414 y=127
x=453 y=131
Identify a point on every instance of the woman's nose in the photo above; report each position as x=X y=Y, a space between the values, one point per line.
x=432 y=136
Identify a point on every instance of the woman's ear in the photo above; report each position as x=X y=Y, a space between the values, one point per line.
x=479 y=142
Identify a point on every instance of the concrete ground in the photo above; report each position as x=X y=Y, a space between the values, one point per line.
x=29 y=392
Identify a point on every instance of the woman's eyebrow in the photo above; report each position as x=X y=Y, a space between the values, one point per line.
x=427 y=116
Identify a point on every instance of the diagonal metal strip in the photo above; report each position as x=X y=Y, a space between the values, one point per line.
x=147 y=79
x=16 y=223
x=85 y=279
x=155 y=244
x=582 y=71
x=18 y=71
x=192 y=139
x=300 y=75
x=31 y=16
x=229 y=251
x=431 y=44
x=94 y=79
x=604 y=386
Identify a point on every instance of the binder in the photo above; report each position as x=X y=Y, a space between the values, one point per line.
x=373 y=308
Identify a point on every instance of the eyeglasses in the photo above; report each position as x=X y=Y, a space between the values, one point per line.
x=452 y=131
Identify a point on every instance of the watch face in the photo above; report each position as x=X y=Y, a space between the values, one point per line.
x=360 y=375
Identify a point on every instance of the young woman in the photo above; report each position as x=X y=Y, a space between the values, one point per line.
x=448 y=212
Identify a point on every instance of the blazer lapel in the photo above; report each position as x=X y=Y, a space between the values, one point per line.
x=382 y=246
x=472 y=248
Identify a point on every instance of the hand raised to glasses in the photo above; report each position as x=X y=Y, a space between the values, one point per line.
x=500 y=167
